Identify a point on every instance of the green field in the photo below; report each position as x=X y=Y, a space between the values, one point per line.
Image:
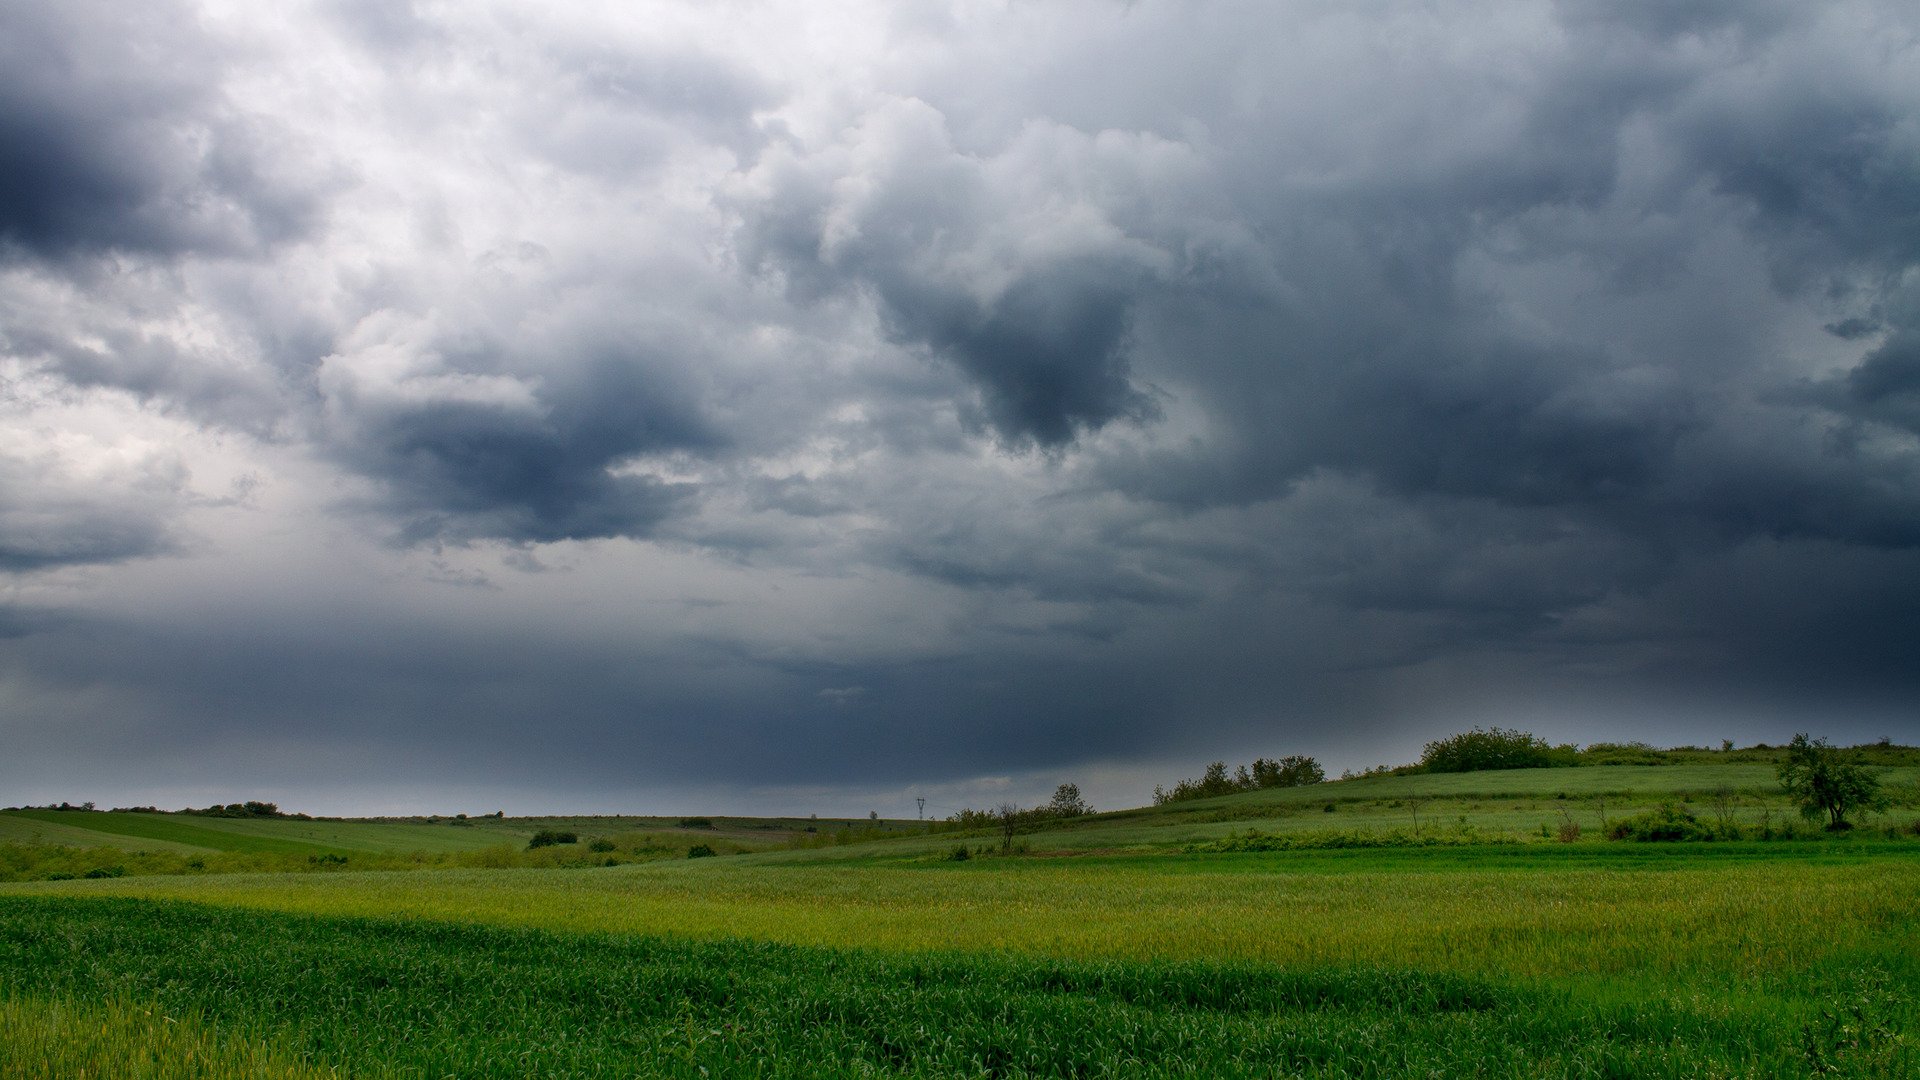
x=1103 y=946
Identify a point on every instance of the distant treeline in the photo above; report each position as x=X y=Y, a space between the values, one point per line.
x=1294 y=770
x=1009 y=818
x=249 y=809
x=1502 y=748
x=1508 y=748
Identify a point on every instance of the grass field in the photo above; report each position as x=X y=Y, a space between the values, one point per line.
x=1107 y=949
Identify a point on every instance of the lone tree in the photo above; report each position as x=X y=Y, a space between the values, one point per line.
x=1067 y=802
x=1823 y=781
x=1009 y=817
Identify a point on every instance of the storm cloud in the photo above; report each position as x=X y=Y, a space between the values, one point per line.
x=775 y=407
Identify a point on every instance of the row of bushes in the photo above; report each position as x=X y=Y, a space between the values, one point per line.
x=249 y=809
x=1294 y=770
x=1507 y=748
x=601 y=845
x=1255 y=840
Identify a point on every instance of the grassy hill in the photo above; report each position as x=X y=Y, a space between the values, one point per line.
x=1498 y=806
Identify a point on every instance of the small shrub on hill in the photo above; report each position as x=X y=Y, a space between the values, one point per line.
x=550 y=837
x=1663 y=823
x=701 y=851
x=601 y=845
x=696 y=823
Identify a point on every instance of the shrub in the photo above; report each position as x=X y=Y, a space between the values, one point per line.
x=701 y=851
x=1664 y=823
x=696 y=823
x=601 y=845
x=106 y=872
x=550 y=837
x=1493 y=748
x=959 y=854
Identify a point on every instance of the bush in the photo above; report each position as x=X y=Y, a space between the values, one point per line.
x=1494 y=748
x=550 y=837
x=959 y=854
x=701 y=851
x=602 y=845
x=106 y=872
x=696 y=823
x=1663 y=824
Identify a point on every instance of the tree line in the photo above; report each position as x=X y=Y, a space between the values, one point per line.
x=1294 y=770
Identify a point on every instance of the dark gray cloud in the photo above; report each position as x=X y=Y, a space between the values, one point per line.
x=974 y=394
x=1037 y=321
x=519 y=461
x=114 y=136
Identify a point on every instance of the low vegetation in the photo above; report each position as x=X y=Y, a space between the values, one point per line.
x=1295 y=770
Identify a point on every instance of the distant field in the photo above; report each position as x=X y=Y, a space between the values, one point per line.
x=184 y=832
x=1730 y=912
x=1515 y=804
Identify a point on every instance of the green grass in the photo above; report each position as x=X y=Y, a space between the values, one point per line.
x=1715 y=916
x=122 y=1040
x=406 y=998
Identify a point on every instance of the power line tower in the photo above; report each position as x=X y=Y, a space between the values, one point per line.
x=923 y=806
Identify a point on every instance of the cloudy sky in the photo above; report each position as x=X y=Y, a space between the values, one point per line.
x=805 y=407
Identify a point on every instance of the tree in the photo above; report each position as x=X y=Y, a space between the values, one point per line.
x=1067 y=802
x=1822 y=780
x=1009 y=817
x=1215 y=781
x=1294 y=770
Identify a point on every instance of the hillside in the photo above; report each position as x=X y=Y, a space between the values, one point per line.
x=1508 y=806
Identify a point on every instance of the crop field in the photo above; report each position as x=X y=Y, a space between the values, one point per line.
x=182 y=832
x=1114 y=946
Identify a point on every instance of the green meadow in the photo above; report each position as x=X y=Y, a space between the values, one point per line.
x=1139 y=943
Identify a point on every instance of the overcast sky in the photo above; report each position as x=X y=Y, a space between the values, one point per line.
x=743 y=407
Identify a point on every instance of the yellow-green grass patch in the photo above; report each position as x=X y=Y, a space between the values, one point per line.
x=1728 y=920
x=120 y=1040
